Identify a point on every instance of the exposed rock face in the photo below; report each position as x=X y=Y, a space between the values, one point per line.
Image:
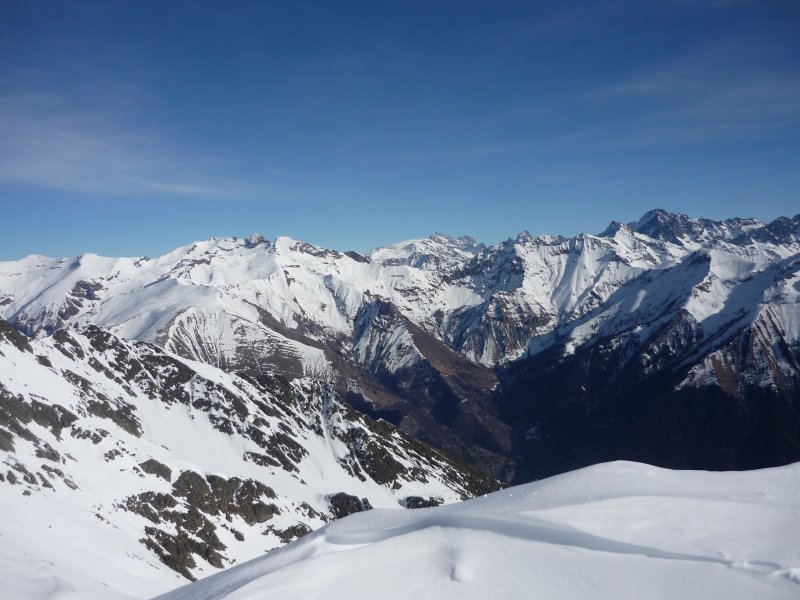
x=419 y=502
x=153 y=467
x=346 y=504
x=189 y=512
x=10 y=334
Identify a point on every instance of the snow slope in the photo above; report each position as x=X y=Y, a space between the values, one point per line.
x=617 y=530
x=122 y=466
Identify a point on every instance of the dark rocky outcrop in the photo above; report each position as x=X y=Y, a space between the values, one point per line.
x=153 y=467
x=16 y=413
x=291 y=533
x=10 y=333
x=193 y=500
x=342 y=504
x=123 y=415
x=420 y=502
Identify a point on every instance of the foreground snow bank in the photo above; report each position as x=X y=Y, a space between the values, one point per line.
x=616 y=530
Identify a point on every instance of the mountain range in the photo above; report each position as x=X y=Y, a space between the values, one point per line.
x=196 y=409
x=669 y=339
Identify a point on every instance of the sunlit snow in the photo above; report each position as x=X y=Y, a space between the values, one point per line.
x=617 y=531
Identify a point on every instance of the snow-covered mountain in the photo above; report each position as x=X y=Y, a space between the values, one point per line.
x=507 y=355
x=532 y=287
x=692 y=363
x=253 y=305
x=125 y=469
x=614 y=531
x=438 y=252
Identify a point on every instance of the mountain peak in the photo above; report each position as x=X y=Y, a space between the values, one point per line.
x=613 y=229
x=461 y=241
x=254 y=239
x=437 y=251
x=658 y=215
x=443 y=237
x=663 y=225
x=524 y=236
x=662 y=214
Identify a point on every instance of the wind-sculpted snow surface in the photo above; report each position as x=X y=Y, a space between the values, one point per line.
x=614 y=531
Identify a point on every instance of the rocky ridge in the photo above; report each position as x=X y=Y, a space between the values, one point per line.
x=183 y=467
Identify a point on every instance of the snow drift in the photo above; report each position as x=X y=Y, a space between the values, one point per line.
x=617 y=530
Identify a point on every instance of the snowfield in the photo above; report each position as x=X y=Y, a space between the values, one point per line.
x=616 y=530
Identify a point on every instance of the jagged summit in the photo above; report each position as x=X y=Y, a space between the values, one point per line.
x=255 y=239
x=678 y=228
x=436 y=252
x=665 y=226
x=523 y=237
x=460 y=240
x=681 y=229
x=782 y=230
x=613 y=228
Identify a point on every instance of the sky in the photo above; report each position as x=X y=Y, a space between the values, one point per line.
x=133 y=127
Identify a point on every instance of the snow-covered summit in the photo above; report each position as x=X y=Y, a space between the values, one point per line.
x=439 y=252
x=691 y=233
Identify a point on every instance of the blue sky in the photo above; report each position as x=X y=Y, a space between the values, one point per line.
x=129 y=128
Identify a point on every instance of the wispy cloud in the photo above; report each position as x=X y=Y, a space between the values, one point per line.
x=187 y=189
x=723 y=91
x=466 y=153
x=47 y=141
